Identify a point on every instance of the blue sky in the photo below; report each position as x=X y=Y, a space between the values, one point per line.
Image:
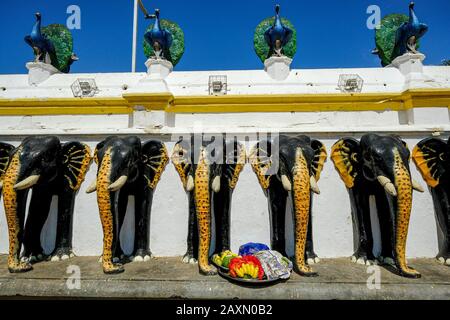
x=218 y=34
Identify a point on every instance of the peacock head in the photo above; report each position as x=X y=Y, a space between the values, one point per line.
x=411 y=5
x=157 y=13
x=277 y=9
x=38 y=16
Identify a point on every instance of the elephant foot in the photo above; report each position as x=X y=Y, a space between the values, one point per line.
x=62 y=254
x=33 y=258
x=189 y=258
x=113 y=268
x=444 y=259
x=311 y=257
x=363 y=258
x=386 y=261
x=20 y=267
x=208 y=271
x=142 y=255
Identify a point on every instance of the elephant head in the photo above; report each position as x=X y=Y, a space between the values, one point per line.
x=432 y=158
x=290 y=165
x=49 y=168
x=125 y=167
x=209 y=173
x=379 y=165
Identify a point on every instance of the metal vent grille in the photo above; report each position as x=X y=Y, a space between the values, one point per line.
x=84 y=88
x=217 y=85
x=350 y=83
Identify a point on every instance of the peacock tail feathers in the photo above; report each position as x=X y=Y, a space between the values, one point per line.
x=262 y=48
x=62 y=40
x=385 y=36
x=177 y=48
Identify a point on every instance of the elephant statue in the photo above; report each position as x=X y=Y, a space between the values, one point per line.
x=126 y=167
x=209 y=182
x=378 y=166
x=432 y=158
x=50 y=168
x=289 y=167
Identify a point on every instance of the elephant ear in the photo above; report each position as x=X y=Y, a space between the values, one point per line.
x=261 y=161
x=76 y=158
x=431 y=159
x=346 y=157
x=181 y=160
x=5 y=151
x=234 y=162
x=154 y=158
x=320 y=157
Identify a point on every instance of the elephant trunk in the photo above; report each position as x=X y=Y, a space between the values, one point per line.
x=404 y=203
x=11 y=203
x=105 y=205
x=203 y=210
x=301 y=197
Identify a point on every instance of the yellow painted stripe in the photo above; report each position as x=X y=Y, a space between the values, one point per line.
x=419 y=98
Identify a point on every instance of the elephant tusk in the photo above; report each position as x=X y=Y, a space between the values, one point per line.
x=190 y=184
x=216 y=184
x=415 y=185
x=287 y=185
x=387 y=185
x=118 y=184
x=27 y=183
x=93 y=187
x=314 y=186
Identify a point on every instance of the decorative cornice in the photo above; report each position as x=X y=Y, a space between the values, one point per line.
x=418 y=98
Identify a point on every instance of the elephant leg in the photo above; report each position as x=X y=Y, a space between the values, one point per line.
x=191 y=255
x=122 y=205
x=362 y=227
x=143 y=211
x=38 y=212
x=442 y=212
x=221 y=203
x=277 y=200
x=384 y=207
x=311 y=257
x=64 y=227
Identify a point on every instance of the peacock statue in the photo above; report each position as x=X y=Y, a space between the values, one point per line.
x=398 y=34
x=408 y=34
x=52 y=45
x=159 y=38
x=278 y=35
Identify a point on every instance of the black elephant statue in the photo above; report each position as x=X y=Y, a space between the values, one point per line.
x=289 y=167
x=378 y=166
x=432 y=158
x=209 y=173
x=126 y=167
x=50 y=168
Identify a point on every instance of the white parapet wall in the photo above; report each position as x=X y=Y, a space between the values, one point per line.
x=307 y=102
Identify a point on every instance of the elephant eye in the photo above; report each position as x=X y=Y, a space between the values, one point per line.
x=47 y=157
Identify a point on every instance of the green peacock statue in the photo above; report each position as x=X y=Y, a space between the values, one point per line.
x=52 y=45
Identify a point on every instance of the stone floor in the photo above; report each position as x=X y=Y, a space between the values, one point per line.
x=169 y=278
